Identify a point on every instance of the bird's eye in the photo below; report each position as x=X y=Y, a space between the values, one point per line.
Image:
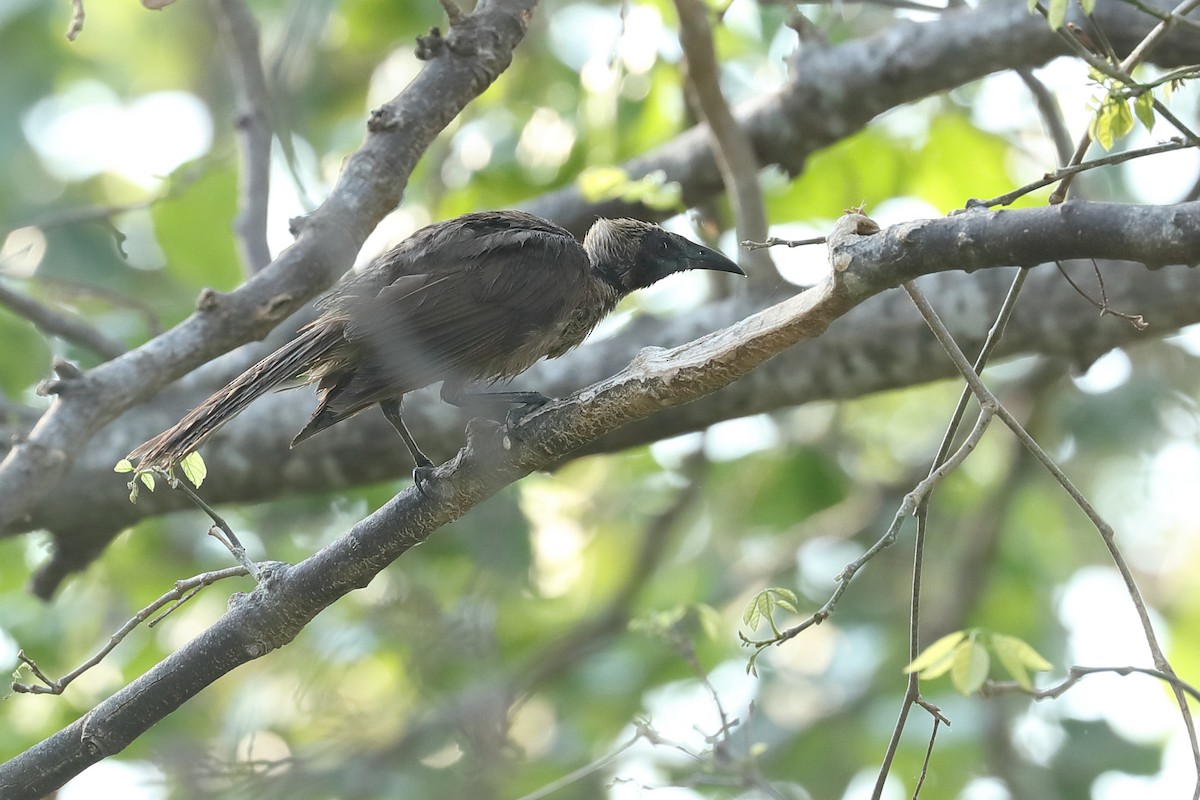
x=664 y=245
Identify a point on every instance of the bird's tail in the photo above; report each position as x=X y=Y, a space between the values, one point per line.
x=290 y=360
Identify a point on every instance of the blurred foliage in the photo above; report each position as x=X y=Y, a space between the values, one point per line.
x=499 y=657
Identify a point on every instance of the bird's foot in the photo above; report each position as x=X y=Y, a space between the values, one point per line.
x=423 y=479
x=515 y=415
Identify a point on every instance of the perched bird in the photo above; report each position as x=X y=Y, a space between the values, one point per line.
x=477 y=298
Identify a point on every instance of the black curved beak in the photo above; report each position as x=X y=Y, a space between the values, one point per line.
x=701 y=257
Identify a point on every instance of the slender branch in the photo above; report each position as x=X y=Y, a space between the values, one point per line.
x=54 y=322
x=183 y=591
x=732 y=148
x=77 y=17
x=239 y=32
x=1136 y=320
x=227 y=537
x=937 y=722
x=1076 y=674
x=1076 y=168
x=912 y=694
x=775 y=241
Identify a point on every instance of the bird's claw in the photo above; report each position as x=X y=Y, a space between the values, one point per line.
x=514 y=417
x=423 y=479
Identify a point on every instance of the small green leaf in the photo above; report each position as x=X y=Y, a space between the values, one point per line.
x=1101 y=126
x=1143 y=107
x=1088 y=6
x=970 y=668
x=1057 y=13
x=148 y=479
x=1122 y=118
x=193 y=468
x=1018 y=657
x=123 y=466
x=785 y=598
x=753 y=613
x=939 y=651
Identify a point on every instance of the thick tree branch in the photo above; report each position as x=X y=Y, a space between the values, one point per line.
x=476 y=52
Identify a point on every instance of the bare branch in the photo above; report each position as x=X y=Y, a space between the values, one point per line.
x=240 y=37
x=54 y=322
x=733 y=151
x=183 y=591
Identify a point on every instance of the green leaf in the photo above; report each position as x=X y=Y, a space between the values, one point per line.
x=1143 y=107
x=1088 y=6
x=1101 y=127
x=1018 y=657
x=148 y=479
x=785 y=598
x=970 y=668
x=1122 y=118
x=1031 y=5
x=193 y=468
x=123 y=466
x=763 y=607
x=938 y=652
x=1057 y=14
x=754 y=611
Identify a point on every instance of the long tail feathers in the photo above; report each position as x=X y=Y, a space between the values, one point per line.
x=295 y=357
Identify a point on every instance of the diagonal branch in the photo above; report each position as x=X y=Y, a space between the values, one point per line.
x=53 y=322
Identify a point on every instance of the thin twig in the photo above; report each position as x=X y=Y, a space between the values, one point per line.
x=1076 y=674
x=1075 y=169
x=77 y=15
x=937 y=722
x=229 y=538
x=774 y=241
x=1136 y=320
x=585 y=770
x=184 y=590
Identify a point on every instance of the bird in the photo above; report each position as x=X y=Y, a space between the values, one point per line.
x=474 y=299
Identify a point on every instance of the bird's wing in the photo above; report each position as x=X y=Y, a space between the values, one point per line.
x=471 y=300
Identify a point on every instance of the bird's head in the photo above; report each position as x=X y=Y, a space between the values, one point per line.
x=632 y=254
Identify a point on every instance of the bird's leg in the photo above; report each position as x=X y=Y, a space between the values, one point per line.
x=424 y=466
